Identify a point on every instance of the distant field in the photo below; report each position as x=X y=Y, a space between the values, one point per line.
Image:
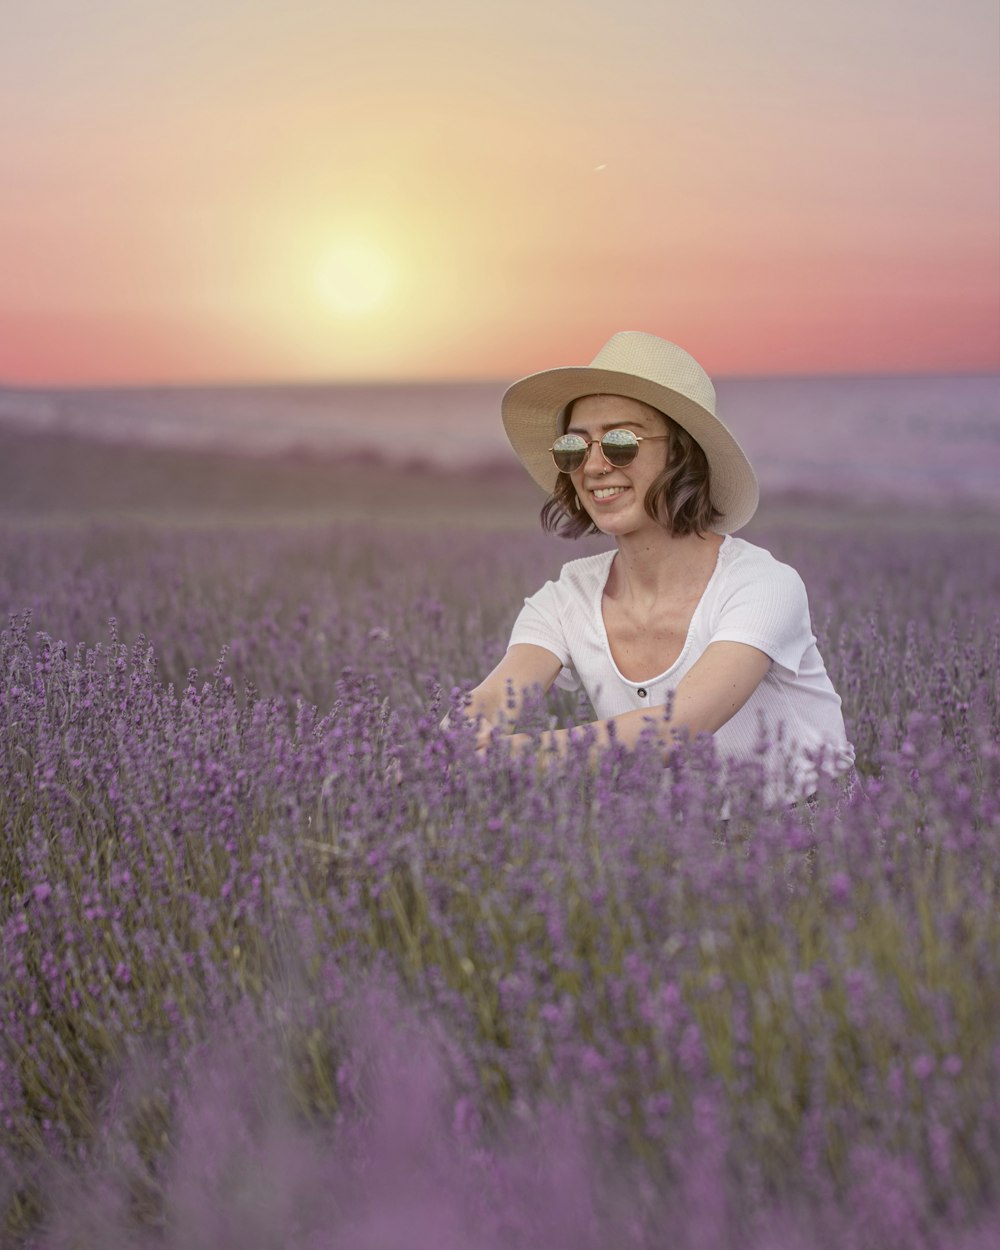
x=53 y=479
x=56 y=477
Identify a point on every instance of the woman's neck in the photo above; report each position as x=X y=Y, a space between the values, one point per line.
x=651 y=564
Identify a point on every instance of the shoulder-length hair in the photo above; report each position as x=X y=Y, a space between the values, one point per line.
x=679 y=498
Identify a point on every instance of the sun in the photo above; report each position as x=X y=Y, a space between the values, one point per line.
x=355 y=278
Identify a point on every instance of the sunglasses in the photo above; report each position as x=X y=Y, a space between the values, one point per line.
x=618 y=447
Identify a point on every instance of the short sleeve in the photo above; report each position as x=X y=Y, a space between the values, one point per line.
x=539 y=623
x=767 y=608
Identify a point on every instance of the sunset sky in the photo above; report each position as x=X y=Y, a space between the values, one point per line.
x=213 y=190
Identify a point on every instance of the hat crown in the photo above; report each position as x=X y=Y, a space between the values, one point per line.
x=647 y=356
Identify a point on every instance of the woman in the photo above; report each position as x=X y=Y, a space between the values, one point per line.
x=680 y=629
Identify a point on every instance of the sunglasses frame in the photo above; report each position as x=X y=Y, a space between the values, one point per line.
x=633 y=448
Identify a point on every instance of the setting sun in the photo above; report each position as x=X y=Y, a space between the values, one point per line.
x=309 y=191
x=355 y=278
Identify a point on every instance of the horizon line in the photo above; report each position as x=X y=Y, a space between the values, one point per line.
x=367 y=382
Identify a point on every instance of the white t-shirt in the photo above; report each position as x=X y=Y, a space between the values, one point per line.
x=751 y=598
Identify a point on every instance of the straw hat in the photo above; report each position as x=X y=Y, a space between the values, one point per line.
x=644 y=367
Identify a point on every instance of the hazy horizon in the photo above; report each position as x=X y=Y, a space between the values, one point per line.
x=307 y=383
x=919 y=436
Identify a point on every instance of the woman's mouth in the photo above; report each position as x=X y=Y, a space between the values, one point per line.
x=608 y=492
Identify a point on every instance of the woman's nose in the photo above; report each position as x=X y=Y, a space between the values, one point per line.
x=594 y=461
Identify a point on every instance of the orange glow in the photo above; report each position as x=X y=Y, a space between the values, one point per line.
x=311 y=195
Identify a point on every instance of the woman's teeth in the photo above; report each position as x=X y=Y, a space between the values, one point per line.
x=608 y=492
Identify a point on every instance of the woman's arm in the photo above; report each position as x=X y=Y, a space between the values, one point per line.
x=498 y=698
x=716 y=687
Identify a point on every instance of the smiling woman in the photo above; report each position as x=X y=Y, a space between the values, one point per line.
x=680 y=629
x=355 y=278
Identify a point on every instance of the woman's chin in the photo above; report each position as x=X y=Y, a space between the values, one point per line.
x=616 y=526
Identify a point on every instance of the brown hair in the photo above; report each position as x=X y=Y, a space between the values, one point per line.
x=679 y=498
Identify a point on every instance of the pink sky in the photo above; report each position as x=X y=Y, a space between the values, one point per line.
x=211 y=192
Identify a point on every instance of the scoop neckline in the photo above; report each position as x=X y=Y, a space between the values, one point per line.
x=652 y=681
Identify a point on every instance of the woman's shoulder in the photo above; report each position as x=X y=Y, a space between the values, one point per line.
x=583 y=572
x=578 y=581
x=740 y=554
x=746 y=563
x=586 y=572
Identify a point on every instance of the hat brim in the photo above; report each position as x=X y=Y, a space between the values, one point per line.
x=531 y=409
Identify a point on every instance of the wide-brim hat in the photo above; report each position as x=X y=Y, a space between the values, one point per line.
x=644 y=367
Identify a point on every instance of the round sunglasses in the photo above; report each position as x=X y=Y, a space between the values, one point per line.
x=618 y=447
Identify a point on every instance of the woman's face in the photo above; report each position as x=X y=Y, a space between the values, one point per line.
x=612 y=497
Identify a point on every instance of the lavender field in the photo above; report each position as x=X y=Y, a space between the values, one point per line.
x=286 y=965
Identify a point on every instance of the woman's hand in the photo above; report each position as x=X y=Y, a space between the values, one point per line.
x=516 y=744
x=550 y=748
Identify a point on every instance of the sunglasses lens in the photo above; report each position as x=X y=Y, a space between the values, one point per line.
x=569 y=451
x=620 y=447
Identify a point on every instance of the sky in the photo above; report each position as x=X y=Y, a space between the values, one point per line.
x=213 y=191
